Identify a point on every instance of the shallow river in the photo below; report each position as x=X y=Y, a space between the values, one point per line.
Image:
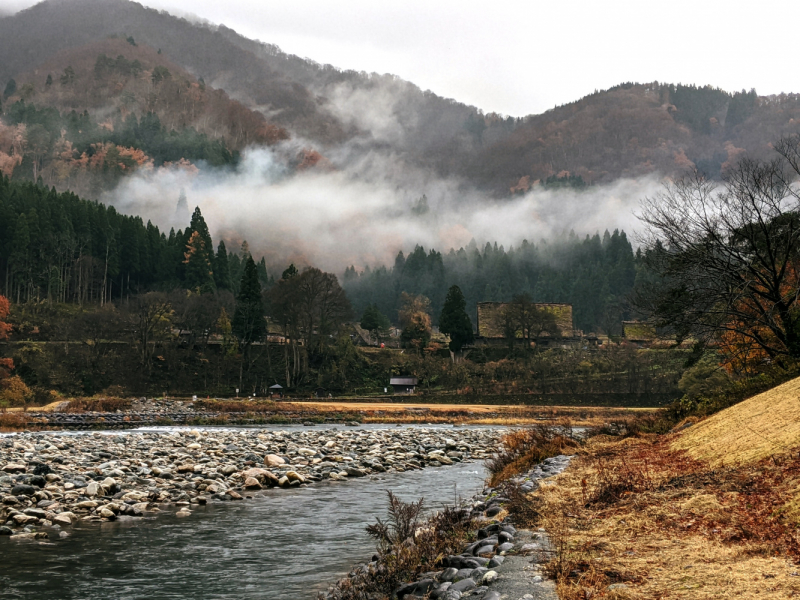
x=281 y=545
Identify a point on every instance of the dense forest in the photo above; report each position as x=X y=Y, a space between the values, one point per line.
x=58 y=247
x=593 y=274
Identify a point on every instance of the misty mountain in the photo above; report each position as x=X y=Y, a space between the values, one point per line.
x=627 y=131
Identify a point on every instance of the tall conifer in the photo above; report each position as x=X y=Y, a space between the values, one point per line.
x=248 y=320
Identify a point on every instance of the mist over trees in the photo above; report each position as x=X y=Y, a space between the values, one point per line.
x=595 y=274
x=58 y=247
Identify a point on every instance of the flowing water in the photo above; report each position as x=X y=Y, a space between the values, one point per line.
x=280 y=545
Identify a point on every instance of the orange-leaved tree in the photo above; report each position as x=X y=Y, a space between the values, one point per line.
x=6 y=364
x=745 y=339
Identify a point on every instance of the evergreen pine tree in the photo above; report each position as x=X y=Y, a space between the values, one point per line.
x=222 y=272
x=248 y=320
x=198 y=224
x=454 y=320
x=198 y=272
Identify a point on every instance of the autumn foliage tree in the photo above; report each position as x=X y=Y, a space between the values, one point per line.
x=6 y=364
x=13 y=390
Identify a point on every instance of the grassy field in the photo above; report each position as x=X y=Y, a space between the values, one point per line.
x=471 y=414
x=708 y=511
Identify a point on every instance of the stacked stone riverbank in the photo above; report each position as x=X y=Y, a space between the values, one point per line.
x=501 y=562
x=50 y=481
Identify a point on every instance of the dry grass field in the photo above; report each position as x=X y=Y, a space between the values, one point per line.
x=709 y=512
x=469 y=414
x=764 y=425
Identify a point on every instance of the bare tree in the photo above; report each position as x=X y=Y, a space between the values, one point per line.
x=152 y=315
x=724 y=259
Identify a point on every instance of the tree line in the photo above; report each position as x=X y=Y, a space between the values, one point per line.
x=61 y=248
x=595 y=274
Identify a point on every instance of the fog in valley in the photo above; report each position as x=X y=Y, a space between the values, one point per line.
x=365 y=213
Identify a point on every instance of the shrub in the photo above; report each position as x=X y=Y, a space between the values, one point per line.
x=14 y=392
x=521 y=449
x=408 y=546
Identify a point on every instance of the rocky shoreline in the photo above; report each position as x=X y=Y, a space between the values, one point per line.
x=50 y=481
x=496 y=564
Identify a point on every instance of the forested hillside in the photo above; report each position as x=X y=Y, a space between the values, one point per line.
x=593 y=274
x=626 y=131
x=94 y=114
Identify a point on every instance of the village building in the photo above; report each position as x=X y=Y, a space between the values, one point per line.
x=491 y=330
x=403 y=385
x=640 y=333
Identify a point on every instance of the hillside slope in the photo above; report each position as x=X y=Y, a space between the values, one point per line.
x=93 y=114
x=759 y=427
x=627 y=131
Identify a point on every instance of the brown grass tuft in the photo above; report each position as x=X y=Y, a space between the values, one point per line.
x=521 y=449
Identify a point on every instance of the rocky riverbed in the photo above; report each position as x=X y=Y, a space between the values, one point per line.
x=496 y=564
x=49 y=481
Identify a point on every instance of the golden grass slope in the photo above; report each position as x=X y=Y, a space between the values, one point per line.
x=761 y=426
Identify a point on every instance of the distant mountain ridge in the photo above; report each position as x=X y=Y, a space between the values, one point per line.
x=627 y=131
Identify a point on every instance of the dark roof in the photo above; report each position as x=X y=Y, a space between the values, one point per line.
x=403 y=381
x=276 y=387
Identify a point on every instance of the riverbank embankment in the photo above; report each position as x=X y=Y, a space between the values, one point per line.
x=476 y=549
x=48 y=481
x=709 y=510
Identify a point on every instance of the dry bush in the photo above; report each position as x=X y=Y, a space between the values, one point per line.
x=521 y=449
x=631 y=426
x=620 y=477
x=407 y=547
x=13 y=421
x=80 y=405
x=14 y=392
x=524 y=507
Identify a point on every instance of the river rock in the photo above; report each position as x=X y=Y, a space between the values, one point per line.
x=14 y=468
x=252 y=483
x=64 y=518
x=23 y=490
x=294 y=476
x=272 y=460
x=21 y=519
x=489 y=577
x=462 y=586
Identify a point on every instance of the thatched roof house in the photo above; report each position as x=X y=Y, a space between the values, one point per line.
x=490 y=318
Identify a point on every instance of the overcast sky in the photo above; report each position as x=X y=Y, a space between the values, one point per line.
x=524 y=57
